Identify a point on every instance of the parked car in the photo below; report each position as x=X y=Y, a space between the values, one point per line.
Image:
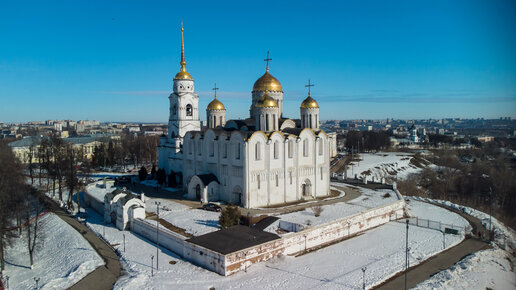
x=211 y=207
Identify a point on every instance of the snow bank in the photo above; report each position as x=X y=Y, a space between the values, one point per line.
x=383 y=164
x=64 y=259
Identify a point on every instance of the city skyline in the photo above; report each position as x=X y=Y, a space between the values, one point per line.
x=368 y=60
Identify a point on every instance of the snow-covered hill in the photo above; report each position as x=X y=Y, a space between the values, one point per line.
x=64 y=258
x=385 y=164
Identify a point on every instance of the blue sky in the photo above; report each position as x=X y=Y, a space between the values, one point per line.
x=115 y=60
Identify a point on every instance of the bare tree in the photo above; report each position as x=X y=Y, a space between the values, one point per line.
x=33 y=209
x=11 y=186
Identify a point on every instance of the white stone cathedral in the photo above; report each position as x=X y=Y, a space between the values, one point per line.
x=264 y=160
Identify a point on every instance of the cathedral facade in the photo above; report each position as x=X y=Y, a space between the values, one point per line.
x=263 y=160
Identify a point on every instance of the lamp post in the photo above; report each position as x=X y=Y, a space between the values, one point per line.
x=157 y=233
x=406 y=254
x=490 y=212
x=37 y=282
x=363 y=277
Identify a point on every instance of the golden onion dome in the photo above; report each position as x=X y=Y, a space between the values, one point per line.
x=309 y=103
x=267 y=83
x=266 y=101
x=183 y=75
x=215 y=105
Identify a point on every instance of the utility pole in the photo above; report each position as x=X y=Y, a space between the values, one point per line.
x=157 y=234
x=406 y=254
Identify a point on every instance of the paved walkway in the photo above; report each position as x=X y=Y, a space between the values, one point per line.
x=441 y=261
x=104 y=277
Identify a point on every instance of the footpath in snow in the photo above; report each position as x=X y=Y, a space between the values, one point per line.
x=63 y=259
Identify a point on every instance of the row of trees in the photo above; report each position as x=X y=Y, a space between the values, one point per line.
x=487 y=182
x=55 y=166
x=129 y=149
x=366 y=140
x=20 y=206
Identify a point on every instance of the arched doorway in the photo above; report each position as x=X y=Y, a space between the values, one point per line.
x=306 y=188
x=198 y=192
x=237 y=195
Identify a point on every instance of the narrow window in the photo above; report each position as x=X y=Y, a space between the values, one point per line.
x=267 y=122
x=212 y=148
x=277 y=180
x=258 y=179
x=220 y=120
x=237 y=150
x=189 y=111
x=290 y=176
x=225 y=155
x=257 y=151
x=305 y=147
x=276 y=149
x=321 y=147
x=290 y=149
x=310 y=119
x=321 y=173
x=214 y=122
x=274 y=122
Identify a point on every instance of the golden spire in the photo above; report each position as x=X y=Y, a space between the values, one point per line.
x=183 y=74
x=183 y=62
x=267 y=61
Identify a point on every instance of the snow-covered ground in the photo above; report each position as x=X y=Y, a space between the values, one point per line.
x=383 y=164
x=64 y=258
x=194 y=221
x=488 y=269
x=368 y=199
x=381 y=250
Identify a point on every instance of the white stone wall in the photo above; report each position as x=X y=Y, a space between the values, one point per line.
x=170 y=240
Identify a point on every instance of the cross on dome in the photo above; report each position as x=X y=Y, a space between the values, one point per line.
x=267 y=61
x=308 y=86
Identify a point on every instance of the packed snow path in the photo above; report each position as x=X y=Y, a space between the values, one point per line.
x=105 y=276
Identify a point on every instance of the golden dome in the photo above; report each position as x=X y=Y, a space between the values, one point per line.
x=309 y=103
x=183 y=75
x=215 y=105
x=267 y=83
x=266 y=101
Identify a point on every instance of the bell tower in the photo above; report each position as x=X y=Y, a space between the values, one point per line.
x=184 y=104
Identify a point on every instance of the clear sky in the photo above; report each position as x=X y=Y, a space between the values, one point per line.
x=115 y=60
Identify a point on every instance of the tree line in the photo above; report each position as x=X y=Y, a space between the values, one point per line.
x=485 y=182
x=20 y=207
x=365 y=141
x=129 y=150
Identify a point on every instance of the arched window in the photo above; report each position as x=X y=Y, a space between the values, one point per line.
x=189 y=110
x=214 y=121
x=267 y=122
x=310 y=119
x=305 y=147
x=276 y=149
x=257 y=151
x=274 y=122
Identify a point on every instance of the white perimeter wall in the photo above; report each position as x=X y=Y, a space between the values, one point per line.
x=315 y=236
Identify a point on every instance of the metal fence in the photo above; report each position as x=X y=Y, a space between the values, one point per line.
x=429 y=224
